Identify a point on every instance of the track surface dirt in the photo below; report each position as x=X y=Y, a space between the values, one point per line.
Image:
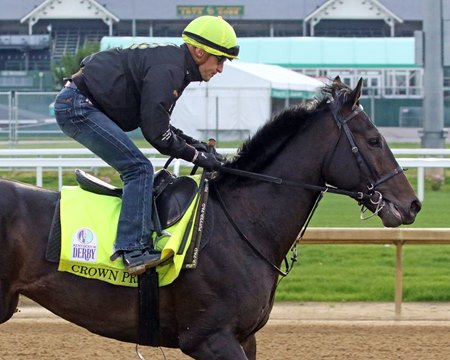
x=308 y=331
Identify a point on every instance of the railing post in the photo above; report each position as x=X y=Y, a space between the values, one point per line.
x=39 y=176
x=60 y=177
x=176 y=167
x=421 y=183
x=398 y=278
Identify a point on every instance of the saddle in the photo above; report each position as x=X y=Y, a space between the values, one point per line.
x=171 y=195
x=171 y=198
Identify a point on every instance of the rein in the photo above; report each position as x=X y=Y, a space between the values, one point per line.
x=279 y=181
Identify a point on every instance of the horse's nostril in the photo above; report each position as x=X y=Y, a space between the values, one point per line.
x=415 y=207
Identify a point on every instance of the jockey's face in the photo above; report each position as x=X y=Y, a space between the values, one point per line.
x=210 y=66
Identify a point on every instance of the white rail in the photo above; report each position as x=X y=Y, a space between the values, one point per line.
x=421 y=152
x=60 y=163
x=398 y=237
x=41 y=159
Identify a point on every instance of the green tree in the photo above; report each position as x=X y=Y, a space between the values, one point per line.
x=70 y=63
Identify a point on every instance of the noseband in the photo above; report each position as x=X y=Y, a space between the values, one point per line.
x=376 y=198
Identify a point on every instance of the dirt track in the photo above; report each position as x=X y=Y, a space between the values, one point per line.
x=296 y=331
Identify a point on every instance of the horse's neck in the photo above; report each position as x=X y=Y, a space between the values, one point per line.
x=272 y=214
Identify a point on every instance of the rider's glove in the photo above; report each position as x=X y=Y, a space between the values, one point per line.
x=201 y=146
x=206 y=160
x=208 y=148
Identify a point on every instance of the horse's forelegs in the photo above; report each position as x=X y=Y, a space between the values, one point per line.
x=218 y=346
x=249 y=346
x=8 y=302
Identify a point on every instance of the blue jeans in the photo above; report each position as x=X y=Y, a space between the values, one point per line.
x=80 y=120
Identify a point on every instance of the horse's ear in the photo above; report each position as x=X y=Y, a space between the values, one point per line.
x=335 y=86
x=356 y=93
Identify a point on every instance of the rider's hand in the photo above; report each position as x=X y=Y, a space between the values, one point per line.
x=201 y=146
x=208 y=148
x=207 y=161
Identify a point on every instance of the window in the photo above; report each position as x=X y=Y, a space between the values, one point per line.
x=403 y=82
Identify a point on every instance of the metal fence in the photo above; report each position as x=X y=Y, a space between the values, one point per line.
x=26 y=116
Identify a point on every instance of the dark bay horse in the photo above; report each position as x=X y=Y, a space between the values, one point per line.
x=214 y=311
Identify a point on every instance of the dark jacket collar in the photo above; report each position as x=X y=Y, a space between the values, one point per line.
x=192 y=72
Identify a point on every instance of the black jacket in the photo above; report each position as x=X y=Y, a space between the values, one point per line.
x=138 y=87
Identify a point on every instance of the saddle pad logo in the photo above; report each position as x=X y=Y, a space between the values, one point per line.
x=84 y=245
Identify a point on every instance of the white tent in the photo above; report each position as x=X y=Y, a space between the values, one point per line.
x=234 y=104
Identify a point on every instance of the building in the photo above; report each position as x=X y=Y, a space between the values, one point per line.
x=35 y=33
x=62 y=26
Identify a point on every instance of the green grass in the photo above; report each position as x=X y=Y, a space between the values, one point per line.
x=367 y=273
x=340 y=273
x=338 y=211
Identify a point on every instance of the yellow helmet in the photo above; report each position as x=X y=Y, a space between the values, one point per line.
x=212 y=34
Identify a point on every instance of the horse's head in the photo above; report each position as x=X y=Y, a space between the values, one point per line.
x=361 y=161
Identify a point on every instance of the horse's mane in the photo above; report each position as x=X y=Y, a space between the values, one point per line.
x=259 y=150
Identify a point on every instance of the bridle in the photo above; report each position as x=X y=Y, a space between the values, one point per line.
x=369 y=194
x=374 y=196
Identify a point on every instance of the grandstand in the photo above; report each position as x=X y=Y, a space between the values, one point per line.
x=69 y=40
x=34 y=34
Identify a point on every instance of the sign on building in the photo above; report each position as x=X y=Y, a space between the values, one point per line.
x=214 y=10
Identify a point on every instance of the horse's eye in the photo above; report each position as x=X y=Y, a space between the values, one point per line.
x=376 y=141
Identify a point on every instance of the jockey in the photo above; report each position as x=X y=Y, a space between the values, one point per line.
x=119 y=90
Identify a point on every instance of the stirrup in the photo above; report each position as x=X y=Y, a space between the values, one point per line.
x=140 y=269
x=141 y=262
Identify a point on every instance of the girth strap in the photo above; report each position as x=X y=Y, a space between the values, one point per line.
x=149 y=308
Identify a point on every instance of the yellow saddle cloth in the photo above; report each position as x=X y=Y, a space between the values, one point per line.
x=88 y=232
